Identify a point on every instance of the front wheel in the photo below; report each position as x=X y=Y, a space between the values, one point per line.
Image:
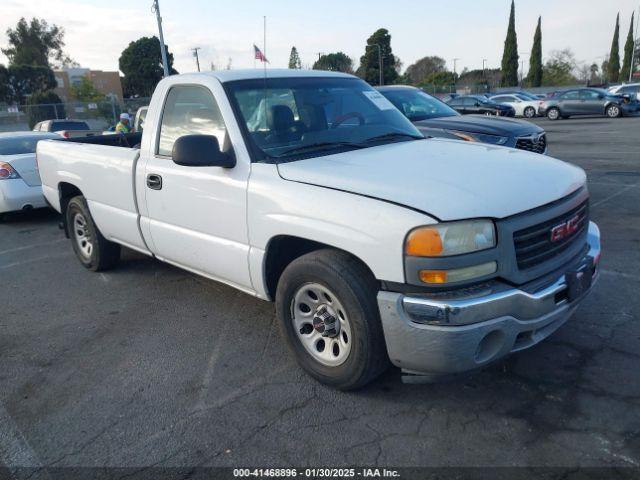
x=95 y=252
x=613 y=111
x=553 y=114
x=328 y=313
x=529 y=112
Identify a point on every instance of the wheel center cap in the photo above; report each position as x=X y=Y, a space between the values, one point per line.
x=325 y=321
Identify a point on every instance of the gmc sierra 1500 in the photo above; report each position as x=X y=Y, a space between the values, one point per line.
x=313 y=190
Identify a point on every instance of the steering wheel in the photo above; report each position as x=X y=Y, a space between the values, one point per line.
x=343 y=118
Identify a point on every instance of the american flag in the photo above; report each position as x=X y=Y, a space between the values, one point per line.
x=259 y=55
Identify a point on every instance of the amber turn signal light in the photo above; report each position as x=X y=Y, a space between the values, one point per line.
x=424 y=242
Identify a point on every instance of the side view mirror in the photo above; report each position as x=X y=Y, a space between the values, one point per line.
x=201 y=151
x=477 y=104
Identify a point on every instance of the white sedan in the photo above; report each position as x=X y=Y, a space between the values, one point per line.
x=523 y=105
x=20 y=187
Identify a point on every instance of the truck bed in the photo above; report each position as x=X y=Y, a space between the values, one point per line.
x=103 y=168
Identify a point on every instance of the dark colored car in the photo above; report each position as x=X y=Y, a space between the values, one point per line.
x=60 y=125
x=588 y=101
x=479 y=104
x=435 y=118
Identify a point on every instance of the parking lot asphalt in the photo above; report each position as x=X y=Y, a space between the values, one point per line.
x=148 y=365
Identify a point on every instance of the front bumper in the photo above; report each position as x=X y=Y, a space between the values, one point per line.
x=476 y=327
x=15 y=195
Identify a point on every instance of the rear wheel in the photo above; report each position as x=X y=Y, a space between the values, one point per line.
x=529 y=112
x=613 y=111
x=553 y=114
x=93 y=250
x=328 y=313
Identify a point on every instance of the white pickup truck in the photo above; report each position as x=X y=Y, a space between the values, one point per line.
x=311 y=190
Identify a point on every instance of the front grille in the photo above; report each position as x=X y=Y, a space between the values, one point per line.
x=532 y=144
x=534 y=245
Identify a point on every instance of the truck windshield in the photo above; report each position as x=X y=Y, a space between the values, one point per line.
x=293 y=118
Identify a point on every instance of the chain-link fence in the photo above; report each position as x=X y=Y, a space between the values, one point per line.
x=99 y=115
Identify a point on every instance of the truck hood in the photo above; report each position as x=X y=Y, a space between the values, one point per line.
x=447 y=179
x=501 y=126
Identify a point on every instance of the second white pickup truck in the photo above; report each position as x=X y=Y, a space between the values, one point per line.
x=311 y=190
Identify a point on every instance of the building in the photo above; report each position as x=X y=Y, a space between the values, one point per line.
x=107 y=83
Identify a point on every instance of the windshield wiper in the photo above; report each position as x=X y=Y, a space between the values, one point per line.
x=392 y=136
x=319 y=146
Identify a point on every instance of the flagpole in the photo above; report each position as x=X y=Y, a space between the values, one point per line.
x=264 y=43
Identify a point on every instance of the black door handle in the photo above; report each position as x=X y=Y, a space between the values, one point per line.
x=154 y=181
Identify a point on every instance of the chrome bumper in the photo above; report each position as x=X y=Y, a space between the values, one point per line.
x=464 y=330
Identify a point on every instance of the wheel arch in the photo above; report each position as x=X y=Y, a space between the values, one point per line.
x=66 y=191
x=283 y=249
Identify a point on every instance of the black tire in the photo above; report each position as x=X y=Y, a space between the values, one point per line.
x=103 y=254
x=553 y=114
x=356 y=290
x=613 y=111
x=529 y=112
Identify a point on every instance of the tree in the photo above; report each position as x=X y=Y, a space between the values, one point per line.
x=369 y=63
x=35 y=43
x=558 y=70
x=5 y=91
x=335 y=62
x=25 y=80
x=510 y=54
x=613 y=72
x=44 y=106
x=85 y=91
x=594 y=74
x=440 y=79
x=628 y=52
x=294 y=59
x=423 y=68
x=534 y=77
x=141 y=64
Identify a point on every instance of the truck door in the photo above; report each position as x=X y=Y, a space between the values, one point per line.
x=196 y=215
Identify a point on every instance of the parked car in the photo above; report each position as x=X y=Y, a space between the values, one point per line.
x=587 y=101
x=19 y=179
x=375 y=243
x=478 y=104
x=630 y=89
x=66 y=128
x=523 y=105
x=437 y=119
x=523 y=93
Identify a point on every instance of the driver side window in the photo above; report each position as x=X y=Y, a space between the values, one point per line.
x=189 y=110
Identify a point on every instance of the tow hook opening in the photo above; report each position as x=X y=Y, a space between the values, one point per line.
x=489 y=346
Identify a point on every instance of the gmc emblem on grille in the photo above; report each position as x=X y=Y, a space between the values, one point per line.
x=565 y=229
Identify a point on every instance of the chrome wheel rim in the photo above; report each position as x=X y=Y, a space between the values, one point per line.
x=553 y=114
x=321 y=324
x=614 y=111
x=529 y=112
x=82 y=235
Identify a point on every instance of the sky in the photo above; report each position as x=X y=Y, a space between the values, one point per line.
x=472 y=30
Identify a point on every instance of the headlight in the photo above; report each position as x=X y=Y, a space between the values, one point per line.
x=480 y=137
x=454 y=238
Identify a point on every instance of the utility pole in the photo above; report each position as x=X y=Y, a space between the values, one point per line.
x=455 y=63
x=195 y=54
x=381 y=79
x=156 y=8
x=522 y=67
x=484 y=61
